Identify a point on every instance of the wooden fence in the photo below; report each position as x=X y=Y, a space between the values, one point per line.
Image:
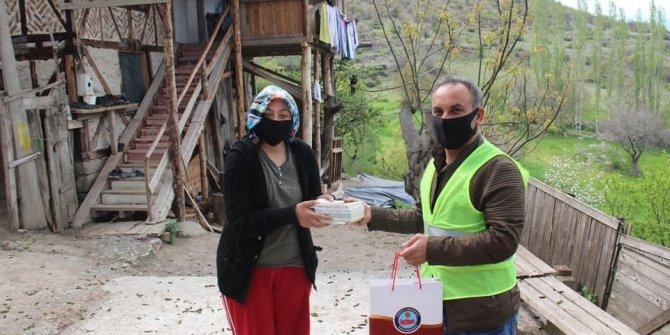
x=640 y=295
x=335 y=163
x=562 y=230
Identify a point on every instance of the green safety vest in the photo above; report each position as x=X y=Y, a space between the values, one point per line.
x=454 y=215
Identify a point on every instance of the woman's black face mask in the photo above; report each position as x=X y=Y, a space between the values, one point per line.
x=273 y=132
x=455 y=132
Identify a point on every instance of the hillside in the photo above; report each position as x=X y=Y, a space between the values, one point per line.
x=595 y=50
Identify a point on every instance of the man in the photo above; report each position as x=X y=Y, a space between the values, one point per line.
x=471 y=213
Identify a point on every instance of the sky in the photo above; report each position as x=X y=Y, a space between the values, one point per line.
x=630 y=7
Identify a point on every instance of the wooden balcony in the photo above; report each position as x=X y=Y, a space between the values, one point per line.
x=277 y=27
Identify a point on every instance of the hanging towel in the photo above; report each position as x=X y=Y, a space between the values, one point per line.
x=317 y=91
x=324 y=29
x=333 y=17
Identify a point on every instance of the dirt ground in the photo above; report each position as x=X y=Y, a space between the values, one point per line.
x=74 y=283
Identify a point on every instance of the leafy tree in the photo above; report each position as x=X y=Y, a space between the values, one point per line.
x=635 y=130
x=579 y=36
x=357 y=118
x=616 y=199
x=618 y=58
x=644 y=203
x=597 y=52
x=652 y=197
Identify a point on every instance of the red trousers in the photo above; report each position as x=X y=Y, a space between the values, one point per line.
x=277 y=304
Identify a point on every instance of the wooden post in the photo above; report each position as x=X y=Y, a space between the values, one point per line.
x=203 y=80
x=29 y=194
x=130 y=24
x=306 y=18
x=150 y=66
x=306 y=78
x=239 y=80
x=327 y=131
x=36 y=136
x=33 y=75
x=10 y=173
x=305 y=71
x=204 y=181
x=70 y=78
x=317 y=110
x=61 y=175
x=173 y=119
x=327 y=74
x=202 y=25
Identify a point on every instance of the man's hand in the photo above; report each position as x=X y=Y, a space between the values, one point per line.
x=307 y=218
x=328 y=197
x=414 y=250
x=367 y=214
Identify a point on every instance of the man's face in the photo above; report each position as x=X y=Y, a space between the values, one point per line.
x=450 y=101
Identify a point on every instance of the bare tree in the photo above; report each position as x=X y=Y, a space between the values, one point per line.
x=423 y=40
x=636 y=129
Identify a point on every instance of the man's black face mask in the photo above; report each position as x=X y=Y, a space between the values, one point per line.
x=455 y=132
x=273 y=132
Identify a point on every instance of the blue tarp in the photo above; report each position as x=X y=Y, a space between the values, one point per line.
x=379 y=192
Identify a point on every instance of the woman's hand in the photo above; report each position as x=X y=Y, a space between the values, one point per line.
x=308 y=218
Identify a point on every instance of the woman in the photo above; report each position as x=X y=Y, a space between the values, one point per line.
x=266 y=261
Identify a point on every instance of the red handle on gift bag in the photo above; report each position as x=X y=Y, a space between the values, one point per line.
x=394 y=271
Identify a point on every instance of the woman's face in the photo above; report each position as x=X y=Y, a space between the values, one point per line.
x=277 y=110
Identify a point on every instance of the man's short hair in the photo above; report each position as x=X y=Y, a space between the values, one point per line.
x=475 y=91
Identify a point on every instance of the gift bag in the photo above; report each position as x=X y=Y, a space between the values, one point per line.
x=405 y=306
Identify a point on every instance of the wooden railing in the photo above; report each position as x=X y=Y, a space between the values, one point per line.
x=562 y=230
x=152 y=179
x=640 y=296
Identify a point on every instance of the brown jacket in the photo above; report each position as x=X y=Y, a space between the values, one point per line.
x=498 y=191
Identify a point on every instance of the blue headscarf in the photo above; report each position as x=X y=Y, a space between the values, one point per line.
x=261 y=102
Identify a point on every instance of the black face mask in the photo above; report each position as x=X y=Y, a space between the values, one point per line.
x=455 y=132
x=273 y=132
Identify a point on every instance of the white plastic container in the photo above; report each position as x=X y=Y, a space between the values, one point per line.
x=90 y=99
x=84 y=84
x=341 y=212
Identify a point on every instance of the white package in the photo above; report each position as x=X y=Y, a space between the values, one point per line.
x=341 y=212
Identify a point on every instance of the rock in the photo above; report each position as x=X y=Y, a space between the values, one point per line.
x=156 y=244
x=7 y=245
x=190 y=228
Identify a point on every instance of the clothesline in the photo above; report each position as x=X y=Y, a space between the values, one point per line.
x=338 y=31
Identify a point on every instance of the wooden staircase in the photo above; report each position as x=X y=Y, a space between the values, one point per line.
x=139 y=179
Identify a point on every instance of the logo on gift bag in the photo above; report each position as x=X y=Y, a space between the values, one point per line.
x=407 y=320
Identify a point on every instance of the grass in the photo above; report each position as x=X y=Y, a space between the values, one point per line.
x=611 y=157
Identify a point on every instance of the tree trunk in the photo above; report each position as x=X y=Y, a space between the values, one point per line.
x=173 y=117
x=417 y=144
x=634 y=167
